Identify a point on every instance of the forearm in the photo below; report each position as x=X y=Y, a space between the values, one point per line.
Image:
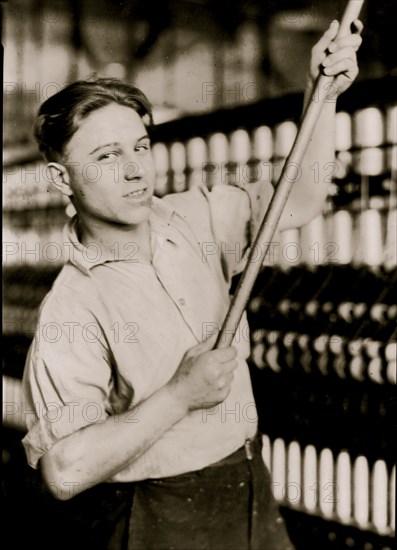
x=321 y=149
x=96 y=452
x=317 y=162
x=335 y=57
x=312 y=177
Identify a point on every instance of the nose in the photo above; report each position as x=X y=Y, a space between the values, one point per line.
x=133 y=170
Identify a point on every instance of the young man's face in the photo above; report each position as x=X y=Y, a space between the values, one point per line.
x=111 y=167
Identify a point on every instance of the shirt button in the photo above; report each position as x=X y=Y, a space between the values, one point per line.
x=182 y=301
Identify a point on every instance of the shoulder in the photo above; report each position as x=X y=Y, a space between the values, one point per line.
x=71 y=294
x=201 y=197
x=188 y=212
x=185 y=203
x=200 y=205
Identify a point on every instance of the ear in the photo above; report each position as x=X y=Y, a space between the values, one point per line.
x=59 y=177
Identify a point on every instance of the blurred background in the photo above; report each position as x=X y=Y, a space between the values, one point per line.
x=226 y=80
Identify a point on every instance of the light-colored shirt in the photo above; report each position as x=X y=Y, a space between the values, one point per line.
x=111 y=332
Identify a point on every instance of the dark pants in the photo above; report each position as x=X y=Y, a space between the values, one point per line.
x=226 y=506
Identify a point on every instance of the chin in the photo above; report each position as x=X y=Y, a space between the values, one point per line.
x=138 y=216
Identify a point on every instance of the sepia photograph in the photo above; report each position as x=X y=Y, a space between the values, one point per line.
x=199 y=274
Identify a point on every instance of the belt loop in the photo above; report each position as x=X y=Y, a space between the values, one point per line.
x=248 y=449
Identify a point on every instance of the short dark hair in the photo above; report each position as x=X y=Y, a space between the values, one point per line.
x=59 y=117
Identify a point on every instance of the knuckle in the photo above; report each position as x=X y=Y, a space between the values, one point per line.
x=350 y=63
x=211 y=370
x=212 y=357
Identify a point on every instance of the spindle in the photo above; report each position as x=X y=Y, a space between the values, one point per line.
x=178 y=166
x=379 y=486
x=369 y=239
x=266 y=451
x=218 y=157
x=310 y=479
x=284 y=136
x=240 y=147
x=392 y=499
x=368 y=127
x=262 y=143
x=279 y=469
x=196 y=152
x=162 y=163
x=342 y=236
x=343 y=482
x=313 y=242
x=361 y=492
x=294 y=483
x=328 y=490
x=343 y=131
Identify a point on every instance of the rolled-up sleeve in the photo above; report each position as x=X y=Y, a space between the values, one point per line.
x=67 y=377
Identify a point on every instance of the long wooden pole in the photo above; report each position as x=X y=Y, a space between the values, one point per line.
x=322 y=89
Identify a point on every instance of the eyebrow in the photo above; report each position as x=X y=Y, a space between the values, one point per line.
x=115 y=143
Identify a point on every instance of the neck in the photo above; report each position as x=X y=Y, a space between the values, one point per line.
x=118 y=241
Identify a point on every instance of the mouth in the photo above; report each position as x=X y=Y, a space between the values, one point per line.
x=137 y=194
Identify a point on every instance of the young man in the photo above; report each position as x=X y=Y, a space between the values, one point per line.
x=126 y=387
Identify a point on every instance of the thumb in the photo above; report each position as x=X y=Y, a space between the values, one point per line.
x=206 y=345
x=328 y=36
x=332 y=30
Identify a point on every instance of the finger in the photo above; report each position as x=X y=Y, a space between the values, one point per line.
x=350 y=41
x=224 y=355
x=225 y=381
x=230 y=366
x=347 y=66
x=358 y=26
x=229 y=379
x=327 y=37
x=337 y=57
x=206 y=345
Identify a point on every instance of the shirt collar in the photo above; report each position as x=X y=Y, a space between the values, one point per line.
x=87 y=257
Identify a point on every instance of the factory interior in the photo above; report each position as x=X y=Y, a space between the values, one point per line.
x=226 y=81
